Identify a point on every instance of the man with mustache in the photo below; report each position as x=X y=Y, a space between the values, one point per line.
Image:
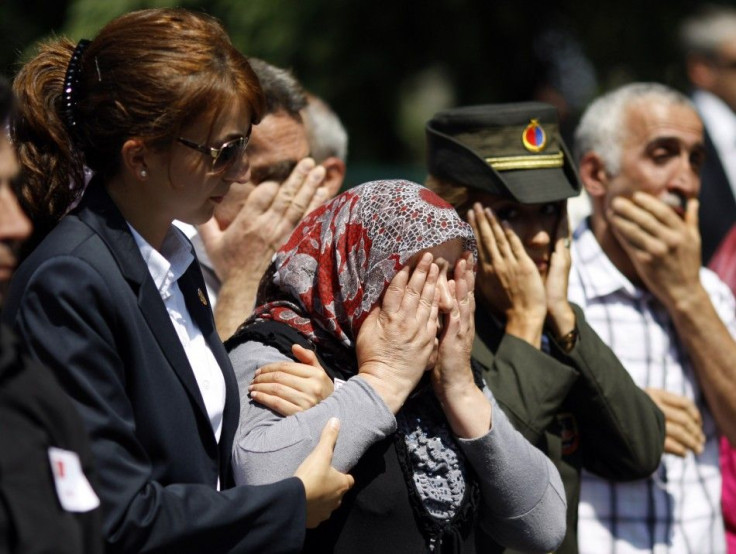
x=637 y=274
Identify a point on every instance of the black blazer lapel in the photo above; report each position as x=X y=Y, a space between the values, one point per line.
x=195 y=294
x=99 y=212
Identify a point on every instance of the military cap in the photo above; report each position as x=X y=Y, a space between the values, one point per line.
x=512 y=150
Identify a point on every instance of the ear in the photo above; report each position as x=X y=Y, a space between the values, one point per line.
x=593 y=174
x=133 y=153
x=334 y=174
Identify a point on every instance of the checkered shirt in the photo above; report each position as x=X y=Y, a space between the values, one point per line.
x=677 y=509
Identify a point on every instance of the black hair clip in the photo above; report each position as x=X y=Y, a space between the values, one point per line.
x=71 y=86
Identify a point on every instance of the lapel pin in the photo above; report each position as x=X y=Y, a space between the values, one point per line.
x=202 y=297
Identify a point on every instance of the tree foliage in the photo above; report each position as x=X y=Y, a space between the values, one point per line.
x=386 y=67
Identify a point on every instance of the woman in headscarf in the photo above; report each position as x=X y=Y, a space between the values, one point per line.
x=379 y=283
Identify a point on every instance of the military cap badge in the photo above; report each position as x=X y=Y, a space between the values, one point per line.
x=533 y=137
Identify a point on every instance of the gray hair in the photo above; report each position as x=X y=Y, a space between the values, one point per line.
x=704 y=32
x=326 y=135
x=282 y=90
x=601 y=128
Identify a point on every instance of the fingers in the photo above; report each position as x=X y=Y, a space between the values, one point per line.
x=297 y=192
x=405 y=291
x=691 y=215
x=305 y=355
x=428 y=296
x=288 y=387
x=395 y=290
x=683 y=422
x=324 y=486
x=308 y=196
x=501 y=234
x=328 y=439
x=562 y=233
x=276 y=404
x=515 y=245
x=639 y=216
x=321 y=195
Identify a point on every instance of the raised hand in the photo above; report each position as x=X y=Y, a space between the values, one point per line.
x=559 y=313
x=288 y=387
x=466 y=408
x=323 y=484
x=664 y=248
x=683 y=422
x=508 y=280
x=241 y=252
x=397 y=339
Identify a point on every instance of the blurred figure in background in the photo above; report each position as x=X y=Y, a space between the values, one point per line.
x=708 y=39
x=506 y=169
x=47 y=503
x=327 y=137
x=637 y=275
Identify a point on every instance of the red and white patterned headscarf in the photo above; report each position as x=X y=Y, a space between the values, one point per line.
x=341 y=258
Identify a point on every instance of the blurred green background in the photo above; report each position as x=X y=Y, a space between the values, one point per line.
x=386 y=67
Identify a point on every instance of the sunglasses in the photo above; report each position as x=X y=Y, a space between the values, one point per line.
x=223 y=157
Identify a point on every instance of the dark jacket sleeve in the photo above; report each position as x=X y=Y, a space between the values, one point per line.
x=529 y=385
x=77 y=322
x=622 y=428
x=36 y=415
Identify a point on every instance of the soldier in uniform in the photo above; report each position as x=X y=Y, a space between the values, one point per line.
x=506 y=169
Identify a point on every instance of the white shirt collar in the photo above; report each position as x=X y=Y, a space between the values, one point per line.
x=170 y=263
x=718 y=117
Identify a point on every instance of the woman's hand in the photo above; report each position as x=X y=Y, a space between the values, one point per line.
x=458 y=330
x=324 y=486
x=560 y=316
x=466 y=408
x=396 y=340
x=509 y=282
x=287 y=387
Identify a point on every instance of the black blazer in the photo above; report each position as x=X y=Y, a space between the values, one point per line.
x=36 y=414
x=717 y=205
x=86 y=306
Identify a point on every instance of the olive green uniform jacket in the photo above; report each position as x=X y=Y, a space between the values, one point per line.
x=581 y=408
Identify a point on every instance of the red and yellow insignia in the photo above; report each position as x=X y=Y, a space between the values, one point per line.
x=533 y=137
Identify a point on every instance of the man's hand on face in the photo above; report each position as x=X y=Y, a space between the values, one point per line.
x=268 y=216
x=663 y=247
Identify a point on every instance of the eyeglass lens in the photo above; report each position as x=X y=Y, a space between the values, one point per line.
x=229 y=153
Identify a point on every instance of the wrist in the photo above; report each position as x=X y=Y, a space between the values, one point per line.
x=561 y=319
x=688 y=302
x=390 y=388
x=528 y=329
x=567 y=341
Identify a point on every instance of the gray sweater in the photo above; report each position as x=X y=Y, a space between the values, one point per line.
x=523 y=497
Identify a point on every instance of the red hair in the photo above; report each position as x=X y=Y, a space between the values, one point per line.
x=147 y=74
